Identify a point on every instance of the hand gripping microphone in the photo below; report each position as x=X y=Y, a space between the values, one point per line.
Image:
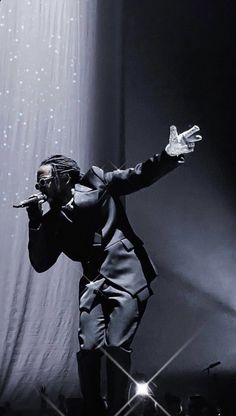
x=31 y=200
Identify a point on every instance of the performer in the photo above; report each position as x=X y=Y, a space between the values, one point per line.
x=87 y=222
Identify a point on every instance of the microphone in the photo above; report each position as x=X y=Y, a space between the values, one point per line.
x=31 y=200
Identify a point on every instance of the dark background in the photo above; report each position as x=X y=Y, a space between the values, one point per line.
x=179 y=69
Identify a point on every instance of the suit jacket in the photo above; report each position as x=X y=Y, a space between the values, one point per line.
x=94 y=229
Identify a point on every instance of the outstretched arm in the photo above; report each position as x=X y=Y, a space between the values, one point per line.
x=123 y=182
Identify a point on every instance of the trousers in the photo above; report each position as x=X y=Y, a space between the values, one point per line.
x=109 y=316
x=109 y=319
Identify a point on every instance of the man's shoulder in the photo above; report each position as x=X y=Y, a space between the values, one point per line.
x=91 y=189
x=94 y=177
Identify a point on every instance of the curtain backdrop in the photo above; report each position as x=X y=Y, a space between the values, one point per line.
x=47 y=92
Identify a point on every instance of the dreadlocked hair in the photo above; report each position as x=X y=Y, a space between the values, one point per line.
x=62 y=164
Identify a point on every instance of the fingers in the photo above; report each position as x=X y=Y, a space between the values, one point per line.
x=33 y=196
x=173 y=133
x=192 y=139
x=191 y=146
x=190 y=135
x=190 y=132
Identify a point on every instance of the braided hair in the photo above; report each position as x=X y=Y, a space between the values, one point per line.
x=63 y=164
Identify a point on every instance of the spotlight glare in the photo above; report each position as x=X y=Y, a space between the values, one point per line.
x=142 y=389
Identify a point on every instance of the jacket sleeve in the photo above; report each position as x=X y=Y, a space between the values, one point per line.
x=43 y=246
x=123 y=182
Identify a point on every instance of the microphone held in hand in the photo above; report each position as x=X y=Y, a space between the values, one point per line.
x=34 y=199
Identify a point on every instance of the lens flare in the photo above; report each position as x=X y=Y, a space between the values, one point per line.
x=142 y=389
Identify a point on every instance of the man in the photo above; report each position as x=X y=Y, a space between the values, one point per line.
x=87 y=222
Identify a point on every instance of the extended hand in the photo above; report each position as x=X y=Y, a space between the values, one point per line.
x=184 y=142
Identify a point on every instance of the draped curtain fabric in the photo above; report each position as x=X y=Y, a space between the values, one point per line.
x=47 y=84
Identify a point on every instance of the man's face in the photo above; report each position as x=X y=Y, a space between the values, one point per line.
x=48 y=184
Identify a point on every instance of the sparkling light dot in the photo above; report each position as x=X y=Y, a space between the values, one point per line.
x=142 y=389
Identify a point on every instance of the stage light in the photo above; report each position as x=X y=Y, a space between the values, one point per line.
x=142 y=389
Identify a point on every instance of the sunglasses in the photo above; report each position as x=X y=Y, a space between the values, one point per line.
x=42 y=182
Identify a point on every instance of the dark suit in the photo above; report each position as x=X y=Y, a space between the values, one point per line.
x=93 y=229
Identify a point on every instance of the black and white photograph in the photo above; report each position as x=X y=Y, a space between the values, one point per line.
x=117 y=198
